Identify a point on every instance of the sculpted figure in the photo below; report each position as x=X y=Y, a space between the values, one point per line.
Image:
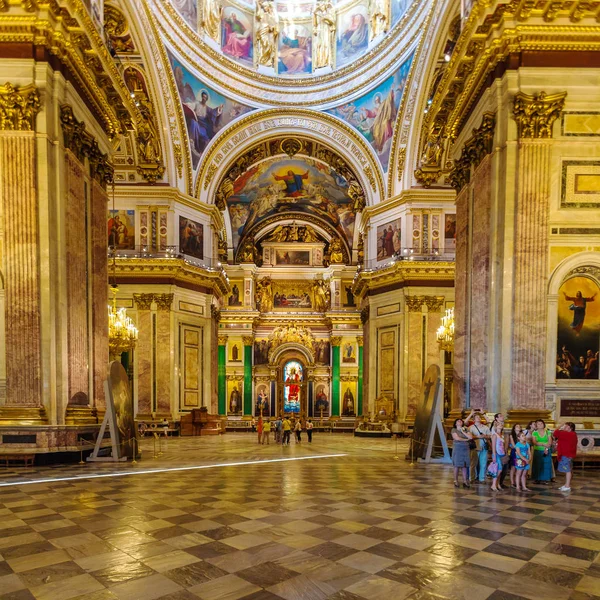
x=324 y=33
x=379 y=20
x=336 y=254
x=211 y=19
x=322 y=295
x=267 y=33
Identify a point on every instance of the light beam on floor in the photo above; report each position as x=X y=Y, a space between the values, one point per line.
x=169 y=470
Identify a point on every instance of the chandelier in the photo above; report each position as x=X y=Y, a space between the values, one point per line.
x=122 y=333
x=445 y=332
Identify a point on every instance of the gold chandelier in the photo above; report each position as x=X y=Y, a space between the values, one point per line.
x=445 y=332
x=122 y=333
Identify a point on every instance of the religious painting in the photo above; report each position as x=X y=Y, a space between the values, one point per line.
x=236 y=349
x=349 y=399
x=188 y=9
x=293 y=376
x=348 y=300
x=298 y=187
x=352 y=34
x=237 y=33
x=578 y=329
x=399 y=8
x=234 y=397
x=450 y=232
x=348 y=352
x=296 y=258
x=119 y=390
x=322 y=352
x=292 y=295
x=321 y=405
x=121 y=229
x=261 y=351
x=374 y=114
x=235 y=299
x=206 y=111
x=389 y=239
x=295 y=49
x=262 y=404
x=191 y=238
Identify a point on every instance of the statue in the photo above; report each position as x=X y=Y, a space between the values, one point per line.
x=336 y=253
x=324 y=32
x=432 y=153
x=234 y=401
x=378 y=21
x=267 y=33
x=309 y=235
x=264 y=295
x=322 y=295
x=246 y=252
x=147 y=144
x=211 y=19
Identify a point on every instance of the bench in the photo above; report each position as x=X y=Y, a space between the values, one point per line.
x=586 y=458
x=26 y=460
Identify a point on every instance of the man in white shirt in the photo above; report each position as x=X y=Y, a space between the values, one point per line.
x=481 y=433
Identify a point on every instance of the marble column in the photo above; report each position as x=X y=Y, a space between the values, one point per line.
x=248 y=344
x=18 y=194
x=535 y=117
x=163 y=349
x=336 y=342
x=359 y=410
x=143 y=351
x=222 y=383
x=364 y=318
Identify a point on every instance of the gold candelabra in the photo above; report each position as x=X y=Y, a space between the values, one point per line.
x=122 y=333
x=445 y=332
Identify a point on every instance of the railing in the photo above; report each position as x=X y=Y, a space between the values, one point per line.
x=409 y=254
x=166 y=252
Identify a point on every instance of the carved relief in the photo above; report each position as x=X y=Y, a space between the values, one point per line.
x=143 y=301
x=18 y=107
x=535 y=115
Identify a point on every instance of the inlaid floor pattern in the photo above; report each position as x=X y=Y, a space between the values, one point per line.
x=359 y=526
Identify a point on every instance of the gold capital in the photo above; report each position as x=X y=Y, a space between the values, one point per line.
x=414 y=303
x=336 y=340
x=222 y=340
x=18 y=107
x=535 y=115
x=163 y=301
x=360 y=341
x=143 y=301
x=248 y=340
x=434 y=303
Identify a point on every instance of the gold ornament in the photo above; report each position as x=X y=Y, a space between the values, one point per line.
x=535 y=115
x=18 y=107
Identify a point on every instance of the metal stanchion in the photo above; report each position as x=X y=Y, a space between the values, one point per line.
x=81 y=461
x=412 y=452
x=134 y=461
x=396 y=457
x=160 y=452
x=154 y=455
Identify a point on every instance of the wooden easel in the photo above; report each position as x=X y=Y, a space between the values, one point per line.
x=110 y=422
x=437 y=425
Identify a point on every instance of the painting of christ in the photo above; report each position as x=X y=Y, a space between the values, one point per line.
x=293 y=376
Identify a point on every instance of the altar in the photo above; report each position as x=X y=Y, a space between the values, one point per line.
x=376 y=430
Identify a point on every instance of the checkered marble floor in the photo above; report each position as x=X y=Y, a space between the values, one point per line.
x=361 y=525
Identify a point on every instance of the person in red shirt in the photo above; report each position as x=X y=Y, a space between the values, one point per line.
x=566 y=452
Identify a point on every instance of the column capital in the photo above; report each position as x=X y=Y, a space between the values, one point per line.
x=143 y=301
x=248 y=340
x=336 y=340
x=360 y=341
x=535 y=114
x=414 y=303
x=163 y=301
x=222 y=340
x=19 y=107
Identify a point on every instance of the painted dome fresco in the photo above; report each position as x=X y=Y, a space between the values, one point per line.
x=291 y=40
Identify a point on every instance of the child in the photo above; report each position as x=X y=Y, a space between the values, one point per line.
x=523 y=458
x=513 y=439
x=566 y=452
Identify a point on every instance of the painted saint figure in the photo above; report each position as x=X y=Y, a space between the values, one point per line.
x=293 y=183
x=234 y=401
x=348 y=405
x=578 y=307
x=237 y=42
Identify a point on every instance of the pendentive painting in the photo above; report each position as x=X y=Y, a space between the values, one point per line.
x=375 y=113
x=191 y=238
x=389 y=239
x=237 y=33
x=578 y=329
x=303 y=186
x=206 y=111
x=352 y=34
x=188 y=9
x=295 y=49
x=121 y=229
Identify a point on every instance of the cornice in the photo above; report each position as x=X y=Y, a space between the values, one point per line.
x=402 y=272
x=173 y=270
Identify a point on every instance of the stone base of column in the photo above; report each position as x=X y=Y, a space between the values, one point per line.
x=524 y=415
x=81 y=415
x=45 y=439
x=23 y=415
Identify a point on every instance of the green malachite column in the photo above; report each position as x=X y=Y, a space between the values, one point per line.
x=248 y=343
x=222 y=384
x=335 y=376
x=360 y=376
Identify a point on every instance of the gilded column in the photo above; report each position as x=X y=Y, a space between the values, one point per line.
x=535 y=117
x=164 y=370
x=18 y=194
x=248 y=344
x=143 y=303
x=336 y=342
x=359 y=410
x=222 y=383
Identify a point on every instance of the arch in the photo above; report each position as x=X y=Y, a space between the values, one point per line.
x=289 y=347
x=564 y=271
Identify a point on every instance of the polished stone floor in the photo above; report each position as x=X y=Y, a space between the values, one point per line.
x=348 y=521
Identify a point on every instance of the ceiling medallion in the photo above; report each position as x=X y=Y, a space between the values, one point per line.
x=291 y=146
